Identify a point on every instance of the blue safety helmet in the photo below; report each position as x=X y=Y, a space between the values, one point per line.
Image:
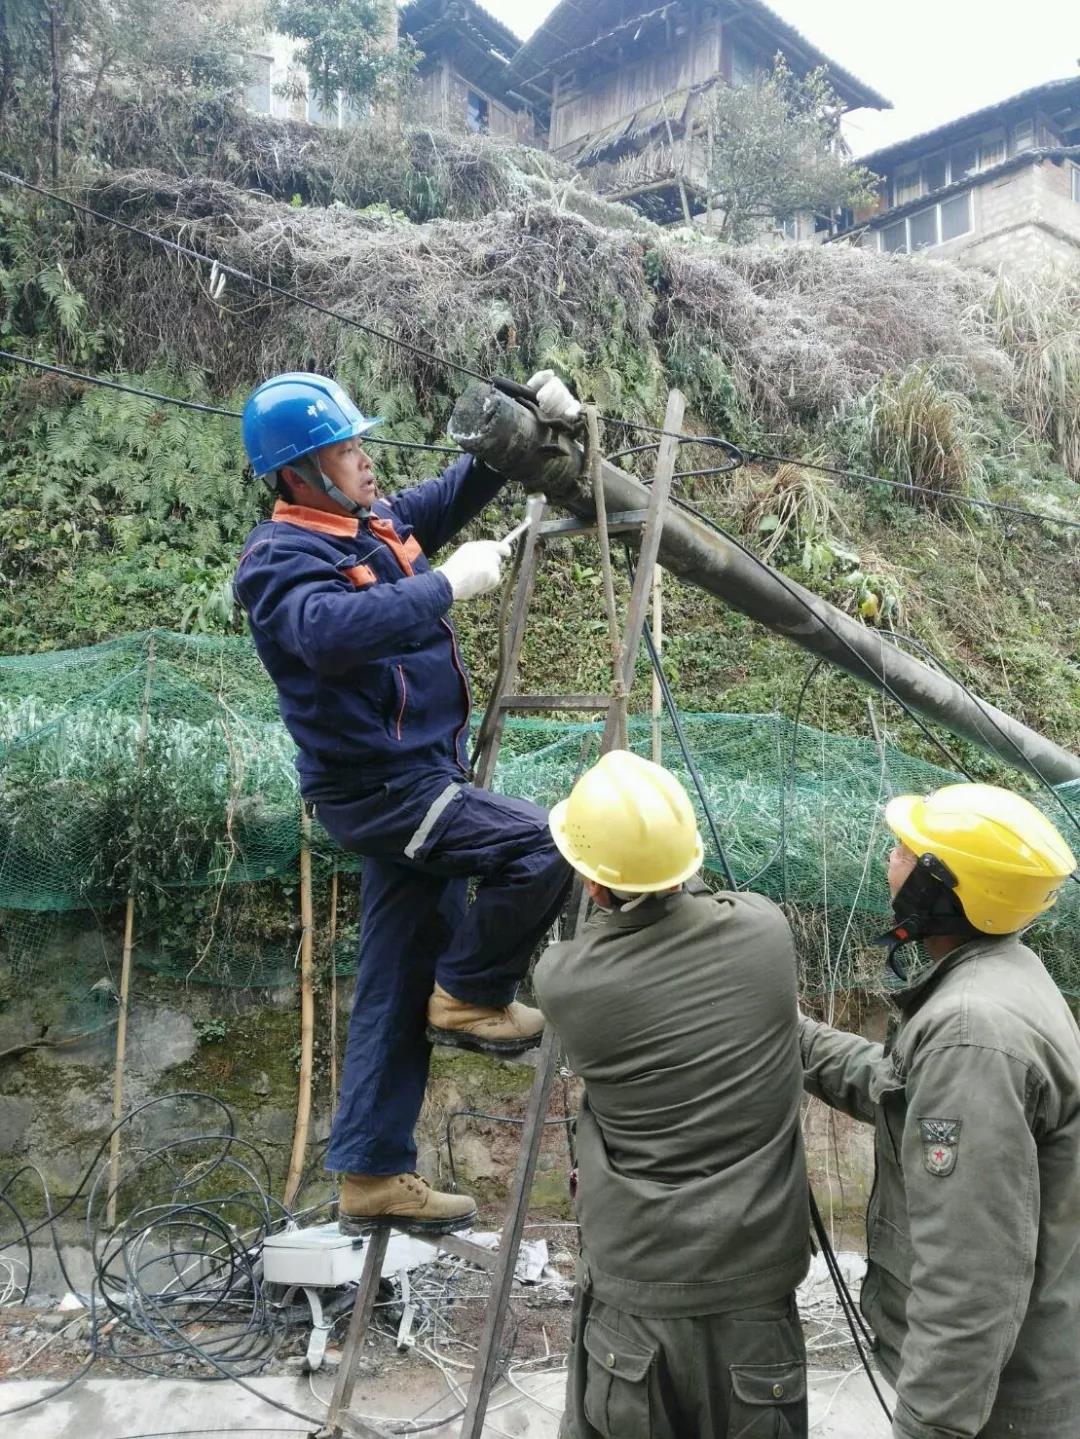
x=292 y=415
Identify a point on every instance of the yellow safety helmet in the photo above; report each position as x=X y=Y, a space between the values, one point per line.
x=629 y=825
x=1007 y=859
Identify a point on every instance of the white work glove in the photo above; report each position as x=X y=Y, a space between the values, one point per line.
x=475 y=568
x=553 y=398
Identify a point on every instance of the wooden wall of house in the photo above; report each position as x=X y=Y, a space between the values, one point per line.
x=443 y=96
x=686 y=60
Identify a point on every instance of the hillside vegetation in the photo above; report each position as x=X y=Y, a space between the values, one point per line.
x=121 y=514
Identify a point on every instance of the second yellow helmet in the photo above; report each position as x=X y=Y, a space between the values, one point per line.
x=629 y=825
x=1008 y=860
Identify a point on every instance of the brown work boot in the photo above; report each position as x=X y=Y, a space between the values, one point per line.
x=400 y=1201
x=508 y=1030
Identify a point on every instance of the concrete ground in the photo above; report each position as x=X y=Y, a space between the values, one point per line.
x=840 y=1407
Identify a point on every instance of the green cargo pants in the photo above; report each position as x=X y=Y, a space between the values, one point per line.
x=740 y=1375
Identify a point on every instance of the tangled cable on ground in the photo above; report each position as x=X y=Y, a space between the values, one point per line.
x=177 y=1283
x=178 y=1288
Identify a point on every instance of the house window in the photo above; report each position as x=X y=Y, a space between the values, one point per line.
x=923 y=229
x=744 y=67
x=935 y=173
x=963 y=160
x=1023 y=136
x=930 y=226
x=991 y=151
x=789 y=228
x=894 y=237
x=257 y=89
x=955 y=216
x=319 y=113
x=477 y=113
x=907 y=186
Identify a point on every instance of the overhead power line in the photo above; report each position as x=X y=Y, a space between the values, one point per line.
x=226 y=269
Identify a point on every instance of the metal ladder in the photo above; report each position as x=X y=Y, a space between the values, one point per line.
x=501 y=1264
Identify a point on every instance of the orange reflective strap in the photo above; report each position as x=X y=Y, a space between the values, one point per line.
x=403 y=553
x=361 y=575
x=323 y=522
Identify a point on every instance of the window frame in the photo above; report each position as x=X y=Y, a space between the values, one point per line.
x=257 y=59
x=913 y=172
x=1029 y=124
x=1000 y=140
x=483 y=111
x=906 y=220
x=325 y=117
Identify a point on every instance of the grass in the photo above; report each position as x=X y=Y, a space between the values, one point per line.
x=790 y=506
x=921 y=433
x=1037 y=322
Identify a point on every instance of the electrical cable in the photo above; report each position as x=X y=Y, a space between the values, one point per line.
x=954 y=762
x=680 y=734
x=178 y=1281
x=843 y=474
x=213 y=1268
x=196 y=405
x=847 y=1303
x=984 y=707
x=852 y=1314
x=744 y=455
x=737 y=455
x=793 y=592
x=789 y=775
x=457 y=1114
x=279 y=290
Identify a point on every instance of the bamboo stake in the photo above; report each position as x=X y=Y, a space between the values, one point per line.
x=333 y=994
x=129 y=945
x=658 y=641
x=307 y=1014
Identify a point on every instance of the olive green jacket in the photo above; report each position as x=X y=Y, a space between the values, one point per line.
x=681 y=1017
x=973 y=1227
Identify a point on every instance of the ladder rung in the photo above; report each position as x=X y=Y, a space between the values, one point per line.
x=555 y=702
x=620 y=523
x=466 y=1249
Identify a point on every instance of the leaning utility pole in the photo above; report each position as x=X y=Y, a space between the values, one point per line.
x=497 y=429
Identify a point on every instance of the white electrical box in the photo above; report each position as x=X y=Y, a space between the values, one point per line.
x=322 y=1257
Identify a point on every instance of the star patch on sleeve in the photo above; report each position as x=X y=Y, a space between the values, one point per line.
x=941 y=1143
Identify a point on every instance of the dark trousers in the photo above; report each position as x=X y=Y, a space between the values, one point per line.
x=740 y=1375
x=422 y=841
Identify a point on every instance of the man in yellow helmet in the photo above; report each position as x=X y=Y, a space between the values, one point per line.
x=678 y=1009
x=973 y=1228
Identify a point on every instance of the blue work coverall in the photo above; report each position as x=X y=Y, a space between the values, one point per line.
x=352 y=625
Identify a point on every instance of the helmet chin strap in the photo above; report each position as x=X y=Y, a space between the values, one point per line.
x=923 y=906
x=311 y=472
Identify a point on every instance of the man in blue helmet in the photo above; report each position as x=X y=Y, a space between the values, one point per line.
x=351 y=622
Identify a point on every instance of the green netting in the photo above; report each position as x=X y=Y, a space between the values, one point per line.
x=158 y=762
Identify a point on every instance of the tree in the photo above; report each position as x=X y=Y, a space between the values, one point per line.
x=59 y=57
x=348 y=47
x=773 y=149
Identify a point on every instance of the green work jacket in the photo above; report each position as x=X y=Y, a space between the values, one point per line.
x=973 y=1227
x=681 y=1017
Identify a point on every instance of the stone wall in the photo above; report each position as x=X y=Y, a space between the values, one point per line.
x=56 y=1103
x=1023 y=220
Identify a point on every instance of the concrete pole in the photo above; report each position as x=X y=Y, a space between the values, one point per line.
x=510 y=437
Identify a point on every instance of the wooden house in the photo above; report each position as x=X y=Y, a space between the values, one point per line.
x=626 y=80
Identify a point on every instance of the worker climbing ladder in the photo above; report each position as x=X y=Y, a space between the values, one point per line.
x=625 y=644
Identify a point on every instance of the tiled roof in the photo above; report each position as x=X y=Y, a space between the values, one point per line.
x=1052 y=93
x=575 y=23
